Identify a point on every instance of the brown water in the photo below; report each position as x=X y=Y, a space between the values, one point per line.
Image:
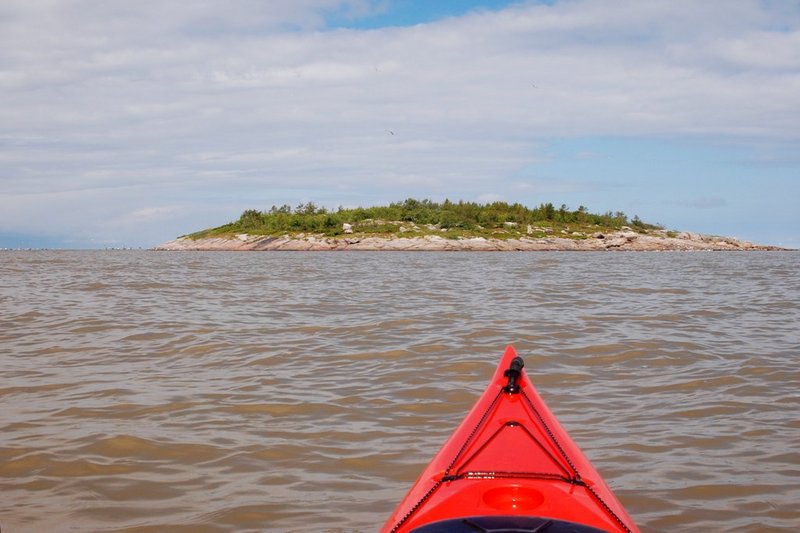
x=146 y=391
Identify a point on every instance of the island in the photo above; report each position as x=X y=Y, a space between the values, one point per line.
x=425 y=225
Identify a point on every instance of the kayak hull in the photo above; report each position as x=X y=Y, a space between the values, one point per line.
x=506 y=524
x=510 y=457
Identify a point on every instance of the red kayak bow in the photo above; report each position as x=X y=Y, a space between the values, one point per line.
x=511 y=467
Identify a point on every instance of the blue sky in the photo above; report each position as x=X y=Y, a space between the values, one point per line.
x=411 y=12
x=128 y=124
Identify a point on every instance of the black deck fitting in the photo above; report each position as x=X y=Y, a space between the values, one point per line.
x=513 y=375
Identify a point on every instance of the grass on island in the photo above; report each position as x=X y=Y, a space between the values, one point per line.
x=418 y=218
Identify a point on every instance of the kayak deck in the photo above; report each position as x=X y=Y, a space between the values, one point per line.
x=509 y=461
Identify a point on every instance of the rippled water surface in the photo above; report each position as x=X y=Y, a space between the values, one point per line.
x=146 y=391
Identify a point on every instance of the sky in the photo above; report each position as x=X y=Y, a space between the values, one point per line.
x=127 y=124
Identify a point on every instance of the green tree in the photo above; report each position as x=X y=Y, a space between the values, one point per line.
x=549 y=211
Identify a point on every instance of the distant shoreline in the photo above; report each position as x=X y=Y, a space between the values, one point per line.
x=611 y=241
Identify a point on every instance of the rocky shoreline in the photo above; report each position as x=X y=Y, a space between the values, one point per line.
x=624 y=240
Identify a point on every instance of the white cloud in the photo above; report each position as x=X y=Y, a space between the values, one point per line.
x=252 y=99
x=703 y=202
x=490 y=197
x=589 y=155
x=146 y=214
